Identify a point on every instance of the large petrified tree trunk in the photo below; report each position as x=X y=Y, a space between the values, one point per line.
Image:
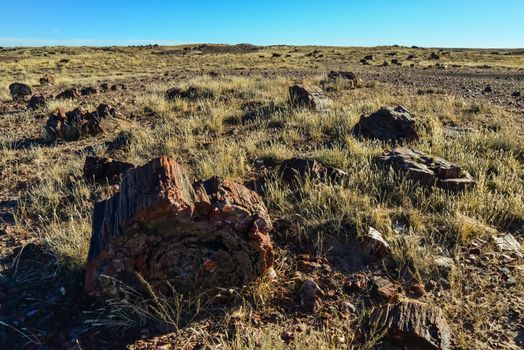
x=197 y=237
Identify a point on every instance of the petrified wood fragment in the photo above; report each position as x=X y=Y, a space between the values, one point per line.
x=427 y=170
x=309 y=96
x=388 y=124
x=197 y=237
x=105 y=170
x=413 y=325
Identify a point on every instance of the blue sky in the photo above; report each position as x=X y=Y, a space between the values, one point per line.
x=443 y=23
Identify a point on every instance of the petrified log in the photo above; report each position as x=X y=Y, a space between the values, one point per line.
x=413 y=325
x=36 y=102
x=294 y=169
x=196 y=237
x=20 y=91
x=388 y=124
x=427 y=170
x=77 y=123
x=309 y=96
x=105 y=170
x=70 y=93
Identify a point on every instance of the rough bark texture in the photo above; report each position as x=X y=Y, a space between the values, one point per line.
x=427 y=170
x=388 y=124
x=310 y=96
x=413 y=325
x=197 y=237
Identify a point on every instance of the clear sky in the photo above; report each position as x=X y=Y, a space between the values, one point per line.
x=437 y=23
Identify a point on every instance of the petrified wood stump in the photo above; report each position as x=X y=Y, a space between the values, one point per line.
x=413 y=325
x=214 y=233
x=388 y=124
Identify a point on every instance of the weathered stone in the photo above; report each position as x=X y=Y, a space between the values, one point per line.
x=508 y=244
x=516 y=94
x=411 y=57
x=369 y=57
x=386 y=289
x=105 y=170
x=309 y=96
x=36 y=102
x=191 y=93
x=47 y=80
x=89 y=90
x=413 y=325
x=20 y=91
x=104 y=86
x=212 y=234
x=77 y=123
x=488 y=88
x=117 y=87
x=356 y=282
x=298 y=169
x=434 y=56
x=426 y=170
x=70 y=93
x=388 y=124
x=309 y=294
x=376 y=244
x=350 y=77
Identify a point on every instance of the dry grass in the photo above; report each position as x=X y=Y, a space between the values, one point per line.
x=200 y=135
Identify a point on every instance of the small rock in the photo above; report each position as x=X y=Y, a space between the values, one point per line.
x=388 y=124
x=105 y=170
x=516 y=94
x=294 y=169
x=36 y=102
x=356 y=282
x=309 y=295
x=386 y=289
x=376 y=244
x=90 y=90
x=70 y=93
x=508 y=244
x=20 y=91
x=369 y=57
x=310 y=96
x=117 y=87
x=47 y=80
x=488 y=88
x=191 y=93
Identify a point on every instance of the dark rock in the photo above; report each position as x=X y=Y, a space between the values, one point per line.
x=212 y=234
x=118 y=87
x=309 y=96
x=105 y=170
x=276 y=55
x=70 y=93
x=426 y=170
x=89 y=90
x=104 y=86
x=36 y=102
x=294 y=170
x=385 y=64
x=347 y=76
x=369 y=57
x=47 y=80
x=20 y=91
x=411 y=57
x=516 y=94
x=434 y=56
x=388 y=124
x=191 y=93
x=413 y=325
x=310 y=295
x=488 y=88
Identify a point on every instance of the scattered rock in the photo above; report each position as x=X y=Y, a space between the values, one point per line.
x=90 y=90
x=72 y=125
x=294 y=169
x=70 y=93
x=413 y=325
x=105 y=170
x=386 y=289
x=276 y=55
x=365 y=62
x=36 y=101
x=434 y=56
x=508 y=244
x=388 y=124
x=488 y=88
x=411 y=57
x=104 y=86
x=369 y=57
x=356 y=282
x=117 y=87
x=310 y=96
x=212 y=234
x=376 y=244
x=47 y=80
x=385 y=64
x=348 y=76
x=191 y=93
x=20 y=91
x=516 y=94
x=426 y=170
x=310 y=295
